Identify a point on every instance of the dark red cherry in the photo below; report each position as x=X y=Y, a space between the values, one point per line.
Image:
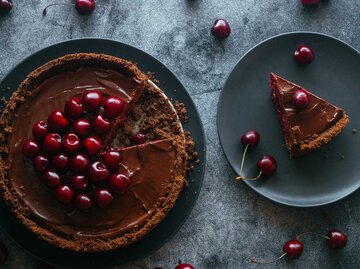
x=71 y=143
x=44 y=266
x=304 y=55
x=85 y=6
x=83 y=201
x=100 y=124
x=138 y=139
x=184 y=266
x=40 y=130
x=250 y=138
x=119 y=183
x=300 y=99
x=4 y=254
x=51 y=178
x=41 y=163
x=79 y=163
x=98 y=172
x=79 y=182
x=112 y=159
x=221 y=28
x=64 y=194
x=92 y=145
x=74 y=108
x=60 y=162
x=113 y=106
x=52 y=142
x=103 y=197
x=337 y=239
x=293 y=249
x=81 y=127
x=310 y=3
x=30 y=148
x=267 y=164
x=5 y=6
x=58 y=121
x=92 y=100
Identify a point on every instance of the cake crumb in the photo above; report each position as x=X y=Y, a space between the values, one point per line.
x=342 y=157
x=354 y=131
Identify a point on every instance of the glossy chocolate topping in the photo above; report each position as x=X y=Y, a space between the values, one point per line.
x=151 y=165
x=317 y=117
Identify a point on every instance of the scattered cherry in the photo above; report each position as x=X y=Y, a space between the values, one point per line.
x=304 y=55
x=79 y=182
x=221 y=28
x=85 y=6
x=51 y=178
x=79 y=163
x=71 y=143
x=5 y=6
x=103 y=197
x=44 y=266
x=267 y=165
x=112 y=159
x=40 y=130
x=30 y=148
x=138 y=139
x=64 y=194
x=92 y=100
x=300 y=99
x=83 y=201
x=184 y=266
x=119 y=183
x=293 y=248
x=92 y=145
x=100 y=124
x=81 y=127
x=310 y=3
x=113 y=106
x=3 y=253
x=52 y=142
x=74 y=108
x=250 y=138
x=41 y=163
x=337 y=239
x=58 y=121
x=98 y=172
x=60 y=162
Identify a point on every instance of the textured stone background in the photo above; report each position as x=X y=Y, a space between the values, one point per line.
x=230 y=223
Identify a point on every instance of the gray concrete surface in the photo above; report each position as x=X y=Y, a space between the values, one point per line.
x=230 y=223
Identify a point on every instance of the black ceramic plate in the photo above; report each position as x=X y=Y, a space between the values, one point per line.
x=161 y=234
x=323 y=176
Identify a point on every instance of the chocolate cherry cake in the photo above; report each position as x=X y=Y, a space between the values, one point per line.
x=93 y=153
x=307 y=121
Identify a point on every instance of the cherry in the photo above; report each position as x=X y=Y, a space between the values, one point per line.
x=81 y=127
x=184 y=266
x=74 y=108
x=112 y=159
x=310 y=3
x=79 y=163
x=4 y=254
x=103 y=197
x=60 y=162
x=98 y=172
x=30 y=148
x=100 y=124
x=85 y=6
x=138 y=139
x=58 y=121
x=79 y=182
x=113 y=106
x=119 y=183
x=250 y=138
x=5 y=5
x=92 y=100
x=304 y=55
x=44 y=266
x=41 y=163
x=51 y=178
x=300 y=99
x=64 y=194
x=92 y=145
x=267 y=165
x=71 y=143
x=52 y=142
x=221 y=28
x=40 y=130
x=293 y=249
x=337 y=239
x=83 y=201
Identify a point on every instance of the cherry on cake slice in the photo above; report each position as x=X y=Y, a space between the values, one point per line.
x=307 y=121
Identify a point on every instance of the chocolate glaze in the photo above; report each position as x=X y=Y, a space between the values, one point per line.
x=152 y=164
x=317 y=117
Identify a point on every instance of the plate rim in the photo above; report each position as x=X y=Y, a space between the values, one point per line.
x=269 y=197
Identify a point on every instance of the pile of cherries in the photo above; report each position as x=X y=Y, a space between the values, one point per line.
x=67 y=151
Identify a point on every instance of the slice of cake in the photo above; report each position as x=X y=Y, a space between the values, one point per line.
x=307 y=121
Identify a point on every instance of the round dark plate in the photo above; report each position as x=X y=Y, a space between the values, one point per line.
x=323 y=176
x=177 y=216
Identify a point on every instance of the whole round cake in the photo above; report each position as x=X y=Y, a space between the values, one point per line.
x=93 y=154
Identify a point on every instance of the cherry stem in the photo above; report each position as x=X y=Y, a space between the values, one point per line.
x=298 y=237
x=55 y=4
x=242 y=165
x=267 y=262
